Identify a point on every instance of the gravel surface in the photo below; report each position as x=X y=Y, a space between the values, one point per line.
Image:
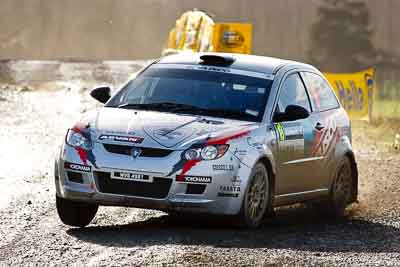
x=33 y=122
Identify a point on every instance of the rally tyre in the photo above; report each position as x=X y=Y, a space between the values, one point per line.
x=257 y=198
x=340 y=192
x=75 y=213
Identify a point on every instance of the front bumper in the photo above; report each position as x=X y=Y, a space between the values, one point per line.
x=223 y=195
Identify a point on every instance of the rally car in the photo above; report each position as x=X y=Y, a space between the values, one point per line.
x=214 y=133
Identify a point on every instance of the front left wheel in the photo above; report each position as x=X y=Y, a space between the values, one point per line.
x=257 y=199
x=75 y=213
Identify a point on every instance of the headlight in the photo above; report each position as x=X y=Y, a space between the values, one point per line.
x=209 y=153
x=192 y=154
x=77 y=139
x=206 y=153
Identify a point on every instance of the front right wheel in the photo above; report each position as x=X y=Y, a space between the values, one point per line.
x=75 y=213
x=257 y=199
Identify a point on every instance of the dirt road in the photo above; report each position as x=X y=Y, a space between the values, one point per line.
x=32 y=123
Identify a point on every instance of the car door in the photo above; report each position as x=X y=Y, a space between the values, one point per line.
x=295 y=171
x=325 y=125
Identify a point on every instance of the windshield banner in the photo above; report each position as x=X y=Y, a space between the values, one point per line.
x=355 y=91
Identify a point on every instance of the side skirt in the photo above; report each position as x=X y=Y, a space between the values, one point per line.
x=292 y=198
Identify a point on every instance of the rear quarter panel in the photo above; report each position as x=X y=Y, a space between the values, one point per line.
x=340 y=128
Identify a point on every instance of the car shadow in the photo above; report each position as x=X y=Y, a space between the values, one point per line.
x=298 y=229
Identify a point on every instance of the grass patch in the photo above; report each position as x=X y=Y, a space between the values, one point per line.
x=389 y=109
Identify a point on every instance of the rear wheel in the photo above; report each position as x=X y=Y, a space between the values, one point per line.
x=75 y=213
x=341 y=190
x=257 y=199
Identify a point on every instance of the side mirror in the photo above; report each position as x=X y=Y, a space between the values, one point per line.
x=292 y=113
x=101 y=94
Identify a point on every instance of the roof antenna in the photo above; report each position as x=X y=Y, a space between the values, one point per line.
x=217 y=60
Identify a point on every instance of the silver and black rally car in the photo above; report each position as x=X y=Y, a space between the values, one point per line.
x=211 y=133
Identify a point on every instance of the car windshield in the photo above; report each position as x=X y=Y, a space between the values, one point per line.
x=229 y=94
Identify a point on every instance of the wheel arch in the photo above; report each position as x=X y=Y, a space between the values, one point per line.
x=266 y=161
x=354 y=174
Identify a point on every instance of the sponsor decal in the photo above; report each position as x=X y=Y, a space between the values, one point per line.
x=221 y=194
x=325 y=138
x=280 y=131
x=77 y=167
x=122 y=138
x=240 y=152
x=207 y=68
x=236 y=181
x=194 y=179
x=229 y=188
x=229 y=191
x=294 y=131
x=223 y=167
x=289 y=131
x=119 y=132
x=291 y=140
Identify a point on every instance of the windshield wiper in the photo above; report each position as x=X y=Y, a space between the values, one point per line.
x=226 y=113
x=159 y=106
x=176 y=107
x=235 y=114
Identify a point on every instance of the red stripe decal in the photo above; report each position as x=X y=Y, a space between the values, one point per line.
x=82 y=154
x=224 y=140
x=214 y=141
x=188 y=165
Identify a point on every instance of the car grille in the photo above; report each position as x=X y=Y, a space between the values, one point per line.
x=145 y=151
x=159 y=188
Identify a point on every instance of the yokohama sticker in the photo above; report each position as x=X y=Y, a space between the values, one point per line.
x=77 y=167
x=122 y=138
x=194 y=179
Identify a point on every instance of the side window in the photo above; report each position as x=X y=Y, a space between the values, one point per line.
x=293 y=92
x=321 y=94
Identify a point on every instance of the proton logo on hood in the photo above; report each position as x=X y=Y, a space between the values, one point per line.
x=135 y=152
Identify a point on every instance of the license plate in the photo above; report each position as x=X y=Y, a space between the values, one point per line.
x=131 y=176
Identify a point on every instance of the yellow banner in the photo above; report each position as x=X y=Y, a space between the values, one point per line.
x=232 y=37
x=354 y=91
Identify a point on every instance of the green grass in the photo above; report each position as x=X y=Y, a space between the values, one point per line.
x=389 y=109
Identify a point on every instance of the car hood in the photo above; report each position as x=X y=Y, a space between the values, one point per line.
x=165 y=129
